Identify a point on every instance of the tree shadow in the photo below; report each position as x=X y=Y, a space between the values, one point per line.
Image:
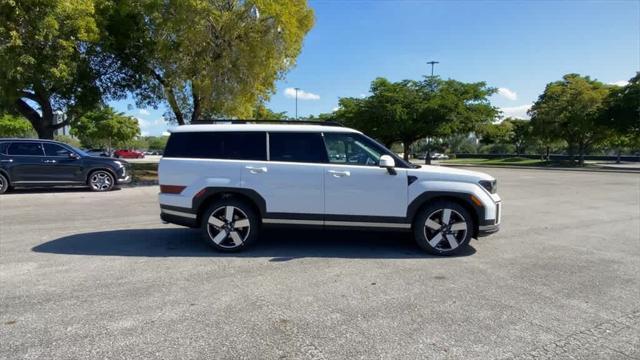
x=277 y=244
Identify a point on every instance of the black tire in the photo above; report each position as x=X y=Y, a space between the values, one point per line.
x=4 y=184
x=101 y=180
x=218 y=231
x=449 y=239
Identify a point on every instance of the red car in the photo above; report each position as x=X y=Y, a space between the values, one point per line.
x=133 y=154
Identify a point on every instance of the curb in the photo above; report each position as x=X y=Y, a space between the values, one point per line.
x=624 y=171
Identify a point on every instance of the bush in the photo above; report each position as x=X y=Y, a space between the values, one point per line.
x=70 y=140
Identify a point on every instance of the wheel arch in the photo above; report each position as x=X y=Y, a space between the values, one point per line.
x=6 y=175
x=460 y=198
x=207 y=196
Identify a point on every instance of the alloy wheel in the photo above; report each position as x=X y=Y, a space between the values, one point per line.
x=445 y=229
x=228 y=227
x=101 y=181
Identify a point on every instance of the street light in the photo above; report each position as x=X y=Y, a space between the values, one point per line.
x=432 y=63
x=296 y=89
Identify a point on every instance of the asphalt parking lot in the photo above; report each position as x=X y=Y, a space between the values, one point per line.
x=85 y=275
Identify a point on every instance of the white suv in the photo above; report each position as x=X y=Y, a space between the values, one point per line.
x=232 y=179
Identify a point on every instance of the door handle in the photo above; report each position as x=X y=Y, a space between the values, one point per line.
x=9 y=161
x=256 y=169
x=49 y=161
x=339 y=174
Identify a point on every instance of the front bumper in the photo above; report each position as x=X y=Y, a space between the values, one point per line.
x=488 y=227
x=124 y=175
x=486 y=230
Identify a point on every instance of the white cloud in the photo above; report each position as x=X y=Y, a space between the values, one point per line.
x=151 y=127
x=508 y=94
x=619 y=83
x=336 y=108
x=143 y=112
x=302 y=95
x=518 y=112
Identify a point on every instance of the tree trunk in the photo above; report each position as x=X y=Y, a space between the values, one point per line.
x=42 y=124
x=195 y=114
x=546 y=157
x=405 y=149
x=581 y=151
x=618 y=155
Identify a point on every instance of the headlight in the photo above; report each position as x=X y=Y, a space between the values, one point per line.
x=490 y=185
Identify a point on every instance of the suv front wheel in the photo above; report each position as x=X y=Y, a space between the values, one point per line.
x=443 y=228
x=230 y=225
x=4 y=184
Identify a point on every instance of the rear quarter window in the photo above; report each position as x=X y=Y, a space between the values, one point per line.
x=250 y=145
x=3 y=147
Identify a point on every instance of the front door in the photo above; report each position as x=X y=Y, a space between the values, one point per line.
x=356 y=189
x=61 y=166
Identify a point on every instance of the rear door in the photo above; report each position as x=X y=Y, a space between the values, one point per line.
x=25 y=161
x=292 y=180
x=60 y=165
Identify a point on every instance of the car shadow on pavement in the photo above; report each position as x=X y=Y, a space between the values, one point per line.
x=278 y=244
x=42 y=190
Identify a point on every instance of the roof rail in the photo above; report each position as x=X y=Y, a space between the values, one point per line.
x=290 y=122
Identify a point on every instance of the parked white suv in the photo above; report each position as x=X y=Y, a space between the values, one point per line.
x=232 y=179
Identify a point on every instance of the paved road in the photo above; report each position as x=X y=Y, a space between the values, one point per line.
x=91 y=276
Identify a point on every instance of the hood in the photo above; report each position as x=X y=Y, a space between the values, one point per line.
x=444 y=173
x=105 y=159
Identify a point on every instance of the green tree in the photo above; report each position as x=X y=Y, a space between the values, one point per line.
x=261 y=112
x=409 y=110
x=569 y=110
x=105 y=128
x=157 y=142
x=214 y=58
x=15 y=126
x=521 y=134
x=68 y=140
x=621 y=116
x=49 y=61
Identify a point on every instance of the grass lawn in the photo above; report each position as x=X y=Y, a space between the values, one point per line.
x=144 y=172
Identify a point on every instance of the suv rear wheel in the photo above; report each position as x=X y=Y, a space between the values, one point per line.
x=443 y=228
x=4 y=184
x=230 y=225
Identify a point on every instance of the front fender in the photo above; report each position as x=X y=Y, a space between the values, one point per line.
x=422 y=191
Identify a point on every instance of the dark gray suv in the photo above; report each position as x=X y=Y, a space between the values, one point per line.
x=37 y=163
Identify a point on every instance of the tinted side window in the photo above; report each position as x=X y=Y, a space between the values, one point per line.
x=218 y=145
x=26 y=148
x=55 y=150
x=3 y=147
x=297 y=147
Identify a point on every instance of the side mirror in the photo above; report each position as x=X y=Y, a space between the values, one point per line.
x=387 y=162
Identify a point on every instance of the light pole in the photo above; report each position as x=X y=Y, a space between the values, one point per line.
x=296 y=89
x=432 y=63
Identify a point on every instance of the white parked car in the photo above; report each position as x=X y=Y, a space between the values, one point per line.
x=233 y=179
x=439 y=156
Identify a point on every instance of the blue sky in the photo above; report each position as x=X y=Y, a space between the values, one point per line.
x=518 y=46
